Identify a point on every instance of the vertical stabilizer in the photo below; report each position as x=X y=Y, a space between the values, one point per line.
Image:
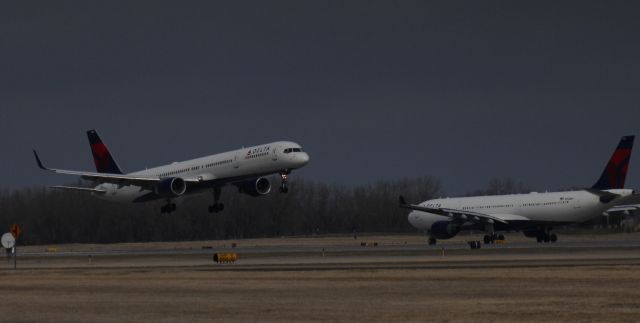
x=101 y=156
x=615 y=173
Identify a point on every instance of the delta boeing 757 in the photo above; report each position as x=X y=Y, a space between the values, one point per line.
x=244 y=168
x=534 y=214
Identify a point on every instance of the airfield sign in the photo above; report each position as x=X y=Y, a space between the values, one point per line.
x=8 y=241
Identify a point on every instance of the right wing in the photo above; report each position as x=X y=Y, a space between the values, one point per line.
x=460 y=215
x=82 y=189
x=148 y=182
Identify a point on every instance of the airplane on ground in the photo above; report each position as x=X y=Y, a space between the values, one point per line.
x=244 y=168
x=535 y=214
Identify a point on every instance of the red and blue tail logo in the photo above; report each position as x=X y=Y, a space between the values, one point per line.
x=101 y=156
x=615 y=174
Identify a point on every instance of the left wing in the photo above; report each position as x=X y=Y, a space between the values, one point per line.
x=460 y=215
x=148 y=182
x=623 y=208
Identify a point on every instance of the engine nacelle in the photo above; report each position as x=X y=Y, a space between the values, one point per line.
x=257 y=187
x=171 y=187
x=444 y=229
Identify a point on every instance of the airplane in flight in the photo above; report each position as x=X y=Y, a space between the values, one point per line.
x=535 y=214
x=245 y=168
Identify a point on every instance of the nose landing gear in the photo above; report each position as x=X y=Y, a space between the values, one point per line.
x=283 y=186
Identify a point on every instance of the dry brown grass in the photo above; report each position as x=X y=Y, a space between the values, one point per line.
x=609 y=293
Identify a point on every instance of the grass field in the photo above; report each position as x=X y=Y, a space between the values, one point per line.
x=609 y=293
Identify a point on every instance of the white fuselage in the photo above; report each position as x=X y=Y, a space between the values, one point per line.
x=275 y=157
x=555 y=207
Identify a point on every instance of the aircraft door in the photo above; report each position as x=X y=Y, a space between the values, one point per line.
x=576 y=204
x=236 y=161
x=274 y=154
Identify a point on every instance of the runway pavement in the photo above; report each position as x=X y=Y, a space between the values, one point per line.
x=344 y=253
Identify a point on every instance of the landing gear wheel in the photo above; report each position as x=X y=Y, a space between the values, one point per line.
x=170 y=207
x=432 y=241
x=553 y=237
x=501 y=237
x=216 y=208
x=487 y=239
x=284 y=189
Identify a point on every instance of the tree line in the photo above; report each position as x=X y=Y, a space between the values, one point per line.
x=49 y=216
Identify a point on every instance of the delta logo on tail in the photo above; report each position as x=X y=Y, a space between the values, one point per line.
x=615 y=173
x=101 y=157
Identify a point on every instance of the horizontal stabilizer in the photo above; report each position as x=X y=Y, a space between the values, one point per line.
x=605 y=197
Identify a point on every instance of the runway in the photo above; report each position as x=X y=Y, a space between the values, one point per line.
x=339 y=253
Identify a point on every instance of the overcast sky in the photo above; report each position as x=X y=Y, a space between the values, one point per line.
x=460 y=90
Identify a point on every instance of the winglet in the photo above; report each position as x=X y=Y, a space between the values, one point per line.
x=39 y=161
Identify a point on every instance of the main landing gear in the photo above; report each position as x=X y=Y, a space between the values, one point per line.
x=170 y=207
x=432 y=241
x=217 y=206
x=284 y=176
x=542 y=235
x=546 y=237
x=491 y=238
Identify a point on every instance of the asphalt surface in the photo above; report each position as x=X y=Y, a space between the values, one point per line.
x=345 y=254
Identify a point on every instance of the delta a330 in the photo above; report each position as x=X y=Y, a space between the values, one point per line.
x=535 y=214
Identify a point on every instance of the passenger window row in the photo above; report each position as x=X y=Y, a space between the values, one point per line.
x=547 y=203
x=175 y=172
x=257 y=155
x=487 y=207
x=222 y=162
x=194 y=168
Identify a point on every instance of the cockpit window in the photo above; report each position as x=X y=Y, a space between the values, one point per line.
x=292 y=150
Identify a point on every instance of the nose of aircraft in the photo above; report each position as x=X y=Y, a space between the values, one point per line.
x=414 y=219
x=302 y=158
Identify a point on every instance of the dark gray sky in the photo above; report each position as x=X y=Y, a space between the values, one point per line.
x=461 y=90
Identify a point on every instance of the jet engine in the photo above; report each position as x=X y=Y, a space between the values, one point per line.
x=255 y=187
x=171 y=187
x=444 y=229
